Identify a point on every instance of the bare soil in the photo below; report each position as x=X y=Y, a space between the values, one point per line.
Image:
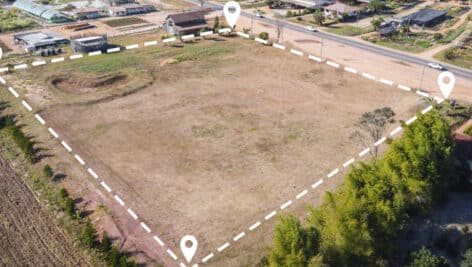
x=216 y=142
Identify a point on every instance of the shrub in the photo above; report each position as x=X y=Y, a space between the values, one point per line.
x=23 y=142
x=468 y=131
x=69 y=208
x=264 y=35
x=437 y=36
x=47 y=171
x=88 y=235
x=450 y=54
x=425 y=258
x=289 y=14
x=105 y=244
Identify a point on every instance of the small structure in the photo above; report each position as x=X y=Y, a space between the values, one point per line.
x=35 y=41
x=185 y=23
x=311 y=4
x=341 y=10
x=130 y=9
x=387 y=31
x=89 y=44
x=40 y=11
x=88 y=13
x=120 y=2
x=425 y=17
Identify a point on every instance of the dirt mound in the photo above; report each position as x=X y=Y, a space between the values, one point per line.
x=74 y=85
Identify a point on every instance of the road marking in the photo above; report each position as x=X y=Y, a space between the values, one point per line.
x=368 y=76
x=333 y=173
x=106 y=186
x=131 y=212
x=387 y=82
x=158 y=240
x=395 y=131
x=285 y=205
x=279 y=46
x=21 y=66
x=169 y=40
x=380 y=141
x=317 y=59
x=39 y=119
x=133 y=46
x=315 y=185
x=363 y=152
x=242 y=34
x=172 y=254
x=94 y=175
x=13 y=92
x=95 y=53
x=426 y=110
x=404 y=87
x=76 y=56
x=53 y=133
x=224 y=30
x=2 y=80
x=254 y=226
x=239 y=236
x=332 y=64
x=66 y=146
x=27 y=106
x=301 y=194
x=182 y=265
x=223 y=247
x=411 y=120
x=113 y=50
x=438 y=99
x=145 y=227
x=79 y=159
x=421 y=93
x=55 y=60
x=188 y=37
x=208 y=33
x=119 y=200
x=349 y=162
x=38 y=63
x=262 y=41
x=351 y=70
x=4 y=69
x=296 y=52
x=150 y=43
x=270 y=215
x=208 y=257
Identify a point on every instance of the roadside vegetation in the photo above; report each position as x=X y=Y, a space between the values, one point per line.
x=10 y=21
x=358 y=223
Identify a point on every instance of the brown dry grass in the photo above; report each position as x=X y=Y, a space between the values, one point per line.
x=218 y=140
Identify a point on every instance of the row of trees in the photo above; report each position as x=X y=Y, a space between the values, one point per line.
x=357 y=224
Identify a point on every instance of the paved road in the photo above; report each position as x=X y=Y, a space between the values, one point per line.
x=460 y=72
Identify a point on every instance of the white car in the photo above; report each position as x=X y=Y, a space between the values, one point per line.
x=310 y=28
x=259 y=15
x=435 y=66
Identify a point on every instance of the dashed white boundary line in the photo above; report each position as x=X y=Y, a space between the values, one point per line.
x=283 y=206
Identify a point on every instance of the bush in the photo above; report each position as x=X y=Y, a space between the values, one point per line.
x=47 y=171
x=88 y=235
x=468 y=131
x=105 y=244
x=69 y=208
x=450 y=54
x=23 y=142
x=264 y=35
x=437 y=36
x=425 y=258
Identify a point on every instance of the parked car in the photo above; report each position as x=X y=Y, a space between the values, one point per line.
x=310 y=28
x=435 y=66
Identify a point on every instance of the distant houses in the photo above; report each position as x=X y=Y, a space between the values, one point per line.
x=185 y=23
x=90 y=43
x=130 y=9
x=341 y=10
x=37 y=41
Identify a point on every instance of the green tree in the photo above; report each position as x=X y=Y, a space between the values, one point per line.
x=114 y=257
x=425 y=258
x=377 y=22
x=264 y=35
x=88 y=235
x=105 y=244
x=319 y=17
x=466 y=258
x=69 y=208
x=376 y=5
x=437 y=36
x=47 y=171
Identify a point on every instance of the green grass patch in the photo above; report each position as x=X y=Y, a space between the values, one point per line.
x=124 y=22
x=460 y=57
x=415 y=43
x=9 y=21
x=451 y=35
x=348 y=30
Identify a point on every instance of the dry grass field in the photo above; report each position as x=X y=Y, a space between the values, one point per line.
x=206 y=138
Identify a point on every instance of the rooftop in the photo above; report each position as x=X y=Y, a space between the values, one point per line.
x=425 y=15
x=33 y=39
x=342 y=8
x=187 y=17
x=37 y=9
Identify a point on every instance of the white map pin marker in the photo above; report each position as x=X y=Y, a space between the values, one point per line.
x=188 y=251
x=446 y=88
x=232 y=11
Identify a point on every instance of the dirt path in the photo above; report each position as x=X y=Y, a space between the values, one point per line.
x=29 y=236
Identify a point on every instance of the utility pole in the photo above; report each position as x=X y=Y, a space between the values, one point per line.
x=421 y=78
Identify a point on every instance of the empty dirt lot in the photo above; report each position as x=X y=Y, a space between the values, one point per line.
x=207 y=138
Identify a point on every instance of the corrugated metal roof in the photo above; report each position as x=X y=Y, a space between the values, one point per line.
x=37 y=9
